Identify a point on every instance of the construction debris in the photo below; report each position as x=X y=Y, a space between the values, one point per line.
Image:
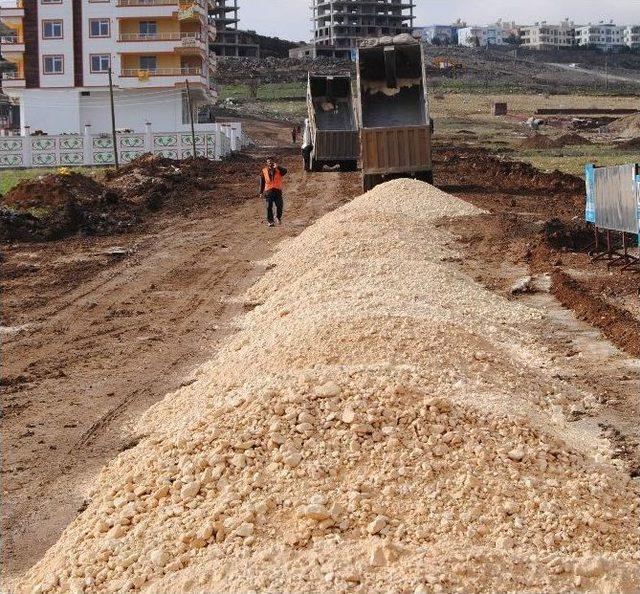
x=379 y=421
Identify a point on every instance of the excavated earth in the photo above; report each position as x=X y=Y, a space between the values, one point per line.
x=380 y=422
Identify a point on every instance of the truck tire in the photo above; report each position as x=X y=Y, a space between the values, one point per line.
x=315 y=164
x=425 y=176
x=349 y=166
x=370 y=181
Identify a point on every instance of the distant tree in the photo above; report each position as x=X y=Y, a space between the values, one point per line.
x=514 y=39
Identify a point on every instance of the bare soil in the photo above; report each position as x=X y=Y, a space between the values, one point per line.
x=534 y=229
x=94 y=335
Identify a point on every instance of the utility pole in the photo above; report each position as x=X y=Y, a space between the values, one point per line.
x=113 y=122
x=606 y=71
x=193 y=130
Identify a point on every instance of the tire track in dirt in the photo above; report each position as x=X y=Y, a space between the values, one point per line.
x=103 y=352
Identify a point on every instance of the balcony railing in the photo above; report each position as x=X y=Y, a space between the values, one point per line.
x=11 y=40
x=144 y=72
x=169 y=36
x=13 y=75
x=147 y=2
x=12 y=4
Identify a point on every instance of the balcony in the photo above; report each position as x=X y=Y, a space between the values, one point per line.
x=12 y=44
x=163 y=77
x=13 y=9
x=13 y=80
x=196 y=10
x=189 y=42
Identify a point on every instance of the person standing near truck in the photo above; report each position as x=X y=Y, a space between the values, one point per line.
x=271 y=186
x=307 y=146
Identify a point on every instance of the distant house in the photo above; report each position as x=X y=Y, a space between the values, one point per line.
x=604 y=36
x=483 y=36
x=438 y=34
x=304 y=50
x=631 y=36
x=541 y=36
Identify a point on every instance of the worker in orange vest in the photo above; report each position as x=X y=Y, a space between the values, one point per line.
x=271 y=190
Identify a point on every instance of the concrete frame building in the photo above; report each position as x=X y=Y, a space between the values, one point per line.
x=339 y=24
x=62 y=51
x=543 y=36
x=230 y=41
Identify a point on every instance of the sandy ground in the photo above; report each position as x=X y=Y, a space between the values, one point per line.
x=93 y=342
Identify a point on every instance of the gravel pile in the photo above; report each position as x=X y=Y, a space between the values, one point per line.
x=379 y=423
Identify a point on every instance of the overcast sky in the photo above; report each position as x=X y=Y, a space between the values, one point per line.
x=289 y=19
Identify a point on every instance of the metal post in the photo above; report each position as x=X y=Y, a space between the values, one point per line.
x=193 y=130
x=113 y=122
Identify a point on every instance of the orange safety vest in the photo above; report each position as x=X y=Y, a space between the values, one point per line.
x=272 y=184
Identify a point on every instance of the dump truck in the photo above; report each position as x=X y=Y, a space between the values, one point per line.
x=332 y=123
x=393 y=110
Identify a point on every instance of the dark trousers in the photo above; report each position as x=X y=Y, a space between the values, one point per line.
x=274 y=198
x=306 y=156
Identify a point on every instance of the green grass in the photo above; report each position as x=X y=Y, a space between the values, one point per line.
x=10 y=178
x=268 y=92
x=573 y=159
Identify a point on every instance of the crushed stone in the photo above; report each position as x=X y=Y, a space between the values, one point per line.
x=380 y=422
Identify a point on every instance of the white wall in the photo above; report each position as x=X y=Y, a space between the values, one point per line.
x=57 y=46
x=52 y=110
x=161 y=107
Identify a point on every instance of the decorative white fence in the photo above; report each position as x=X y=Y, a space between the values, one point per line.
x=74 y=150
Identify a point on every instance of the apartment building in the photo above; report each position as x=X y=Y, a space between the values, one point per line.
x=230 y=40
x=604 y=36
x=631 y=36
x=483 y=36
x=339 y=24
x=541 y=36
x=62 y=51
x=438 y=34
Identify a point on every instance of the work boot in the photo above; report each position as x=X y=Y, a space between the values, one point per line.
x=278 y=221
x=270 y=224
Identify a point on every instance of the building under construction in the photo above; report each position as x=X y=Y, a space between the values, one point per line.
x=337 y=25
x=230 y=41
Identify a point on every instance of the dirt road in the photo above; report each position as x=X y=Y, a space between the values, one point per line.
x=91 y=342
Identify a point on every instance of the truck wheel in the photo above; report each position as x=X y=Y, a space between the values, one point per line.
x=425 y=176
x=315 y=164
x=370 y=181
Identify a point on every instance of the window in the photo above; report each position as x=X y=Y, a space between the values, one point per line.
x=148 y=63
x=99 y=28
x=53 y=64
x=148 y=28
x=100 y=63
x=51 y=1
x=52 y=29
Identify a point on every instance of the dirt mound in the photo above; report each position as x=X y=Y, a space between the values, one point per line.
x=575 y=235
x=631 y=144
x=58 y=205
x=380 y=421
x=56 y=190
x=508 y=175
x=572 y=140
x=539 y=141
x=627 y=127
